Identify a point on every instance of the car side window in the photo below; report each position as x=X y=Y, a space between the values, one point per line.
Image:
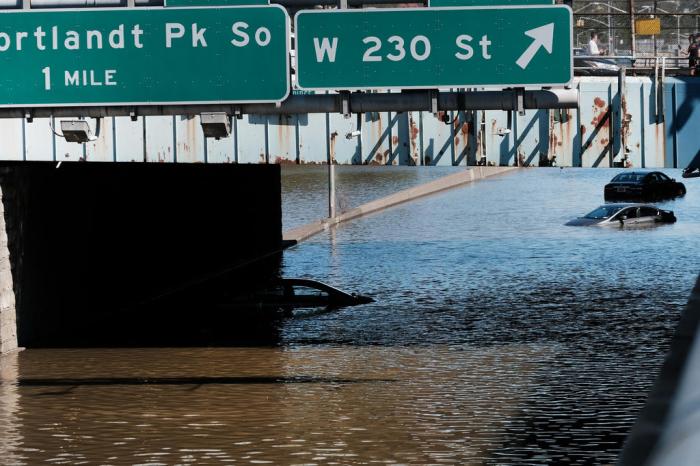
x=300 y=290
x=630 y=212
x=648 y=212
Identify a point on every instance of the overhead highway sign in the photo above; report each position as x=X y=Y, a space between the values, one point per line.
x=144 y=56
x=434 y=47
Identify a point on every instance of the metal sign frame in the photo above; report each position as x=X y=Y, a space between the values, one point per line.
x=433 y=9
x=72 y=11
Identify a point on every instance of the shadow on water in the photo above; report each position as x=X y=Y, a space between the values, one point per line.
x=182 y=317
x=76 y=382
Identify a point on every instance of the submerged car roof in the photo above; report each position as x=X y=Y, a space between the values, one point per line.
x=628 y=204
x=639 y=173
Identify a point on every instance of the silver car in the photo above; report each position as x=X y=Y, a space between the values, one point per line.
x=625 y=215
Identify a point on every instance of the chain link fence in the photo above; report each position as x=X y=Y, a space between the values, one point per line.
x=614 y=21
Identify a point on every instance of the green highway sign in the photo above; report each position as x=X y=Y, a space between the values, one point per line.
x=434 y=47
x=144 y=56
x=488 y=2
x=179 y=3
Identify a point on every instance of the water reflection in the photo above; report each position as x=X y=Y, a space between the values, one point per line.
x=356 y=404
x=499 y=336
x=11 y=438
x=493 y=266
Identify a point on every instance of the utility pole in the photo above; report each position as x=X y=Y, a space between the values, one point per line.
x=633 y=28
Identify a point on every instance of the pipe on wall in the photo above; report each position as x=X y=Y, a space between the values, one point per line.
x=331 y=103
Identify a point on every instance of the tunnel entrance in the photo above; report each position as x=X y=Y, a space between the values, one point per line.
x=122 y=253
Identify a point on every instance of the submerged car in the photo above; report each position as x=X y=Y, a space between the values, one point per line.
x=287 y=294
x=643 y=185
x=625 y=215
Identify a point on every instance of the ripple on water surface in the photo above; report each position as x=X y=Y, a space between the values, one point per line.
x=499 y=336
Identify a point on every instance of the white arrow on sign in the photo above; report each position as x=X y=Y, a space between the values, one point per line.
x=543 y=37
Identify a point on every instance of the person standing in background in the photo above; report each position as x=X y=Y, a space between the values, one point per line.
x=692 y=52
x=592 y=48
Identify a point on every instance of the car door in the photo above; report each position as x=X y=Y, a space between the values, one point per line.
x=666 y=184
x=652 y=186
x=629 y=216
x=647 y=215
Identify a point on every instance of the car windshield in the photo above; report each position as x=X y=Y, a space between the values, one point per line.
x=628 y=178
x=603 y=212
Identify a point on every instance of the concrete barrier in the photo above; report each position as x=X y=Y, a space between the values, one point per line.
x=667 y=431
x=8 y=320
x=296 y=235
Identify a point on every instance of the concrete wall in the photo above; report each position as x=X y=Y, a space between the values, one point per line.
x=8 y=327
x=628 y=128
x=90 y=240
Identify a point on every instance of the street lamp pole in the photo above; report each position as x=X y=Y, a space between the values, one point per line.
x=633 y=29
x=611 y=33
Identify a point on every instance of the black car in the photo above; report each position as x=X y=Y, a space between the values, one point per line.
x=287 y=294
x=643 y=185
x=586 y=65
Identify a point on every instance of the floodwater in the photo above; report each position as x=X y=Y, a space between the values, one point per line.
x=498 y=336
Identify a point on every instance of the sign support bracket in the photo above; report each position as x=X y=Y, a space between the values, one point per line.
x=520 y=100
x=345 y=103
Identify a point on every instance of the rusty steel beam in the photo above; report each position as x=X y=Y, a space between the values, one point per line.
x=329 y=103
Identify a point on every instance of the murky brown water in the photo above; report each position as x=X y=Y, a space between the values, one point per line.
x=261 y=405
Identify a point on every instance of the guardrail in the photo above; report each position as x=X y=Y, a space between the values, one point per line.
x=656 y=65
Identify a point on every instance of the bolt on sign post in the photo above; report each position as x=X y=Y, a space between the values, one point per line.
x=434 y=47
x=144 y=56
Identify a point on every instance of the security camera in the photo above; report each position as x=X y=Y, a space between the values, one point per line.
x=353 y=134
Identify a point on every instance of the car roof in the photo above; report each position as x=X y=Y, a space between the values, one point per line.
x=623 y=205
x=640 y=173
x=634 y=173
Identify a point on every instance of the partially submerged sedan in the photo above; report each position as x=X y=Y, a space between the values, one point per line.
x=287 y=294
x=625 y=215
x=643 y=186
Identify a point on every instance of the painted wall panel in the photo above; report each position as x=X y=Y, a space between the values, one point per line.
x=313 y=140
x=498 y=138
x=438 y=144
x=102 y=149
x=189 y=139
x=39 y=138
x=342 y=149
x=252 y=139
x=282 y=133
x=222 y=150
x=159 y=139
x=597 y=123
x=376 y=138
x=682 y=112
x=129 y=139
x=11 y=139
